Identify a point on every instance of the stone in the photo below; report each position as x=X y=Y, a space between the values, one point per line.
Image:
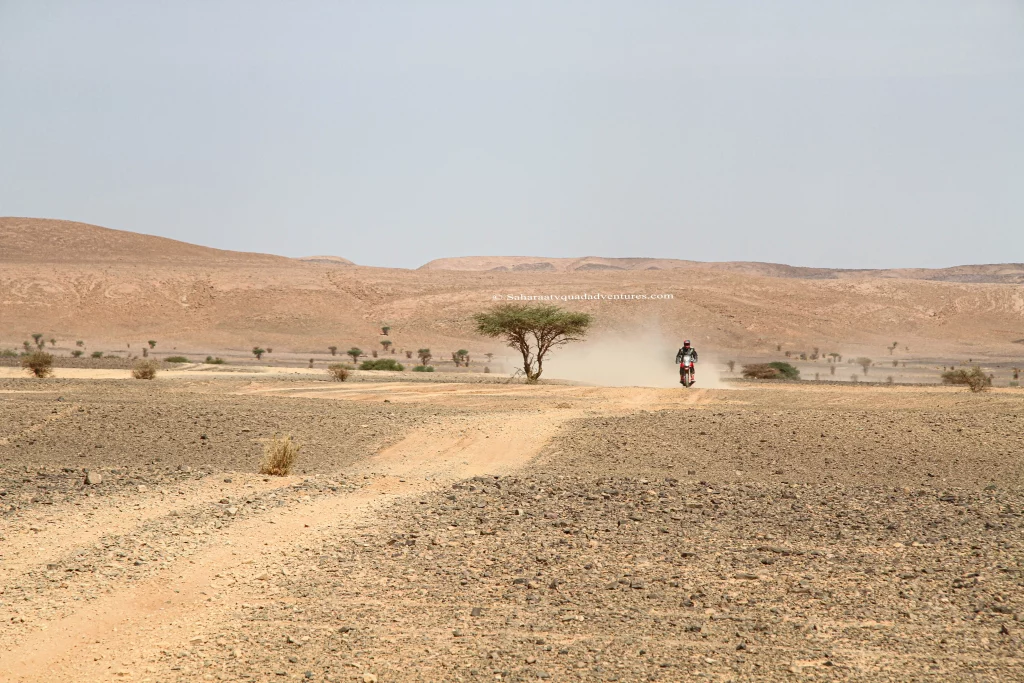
x=93 y=478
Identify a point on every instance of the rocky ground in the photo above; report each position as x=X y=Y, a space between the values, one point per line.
x=782 y=533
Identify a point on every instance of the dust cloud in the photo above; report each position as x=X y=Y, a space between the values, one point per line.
x=642 y=360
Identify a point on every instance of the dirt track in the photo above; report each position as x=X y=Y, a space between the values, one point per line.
x=459 y=532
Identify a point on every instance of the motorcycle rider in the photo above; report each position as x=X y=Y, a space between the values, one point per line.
x=693 y=357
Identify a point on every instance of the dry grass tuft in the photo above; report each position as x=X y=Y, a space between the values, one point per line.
x=144 y=369
x=39 y=363
x=279 y=454
x=338 y=372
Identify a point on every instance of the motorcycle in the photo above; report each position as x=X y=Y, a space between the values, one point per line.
x=686 y=370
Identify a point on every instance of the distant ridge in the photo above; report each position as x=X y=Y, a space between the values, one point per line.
x=1004 y=273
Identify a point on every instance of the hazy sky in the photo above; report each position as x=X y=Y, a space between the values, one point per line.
x=845 y=133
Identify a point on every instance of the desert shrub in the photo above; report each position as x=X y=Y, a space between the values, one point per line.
x=177 y=359
x=270 y=350
x=8 y=353
x=865 y=363
x=53 y=342
x=803 y=356
x=374 y=353
x=786 y=370
x=889 y=380
x=408 y=354
x=144 y=369
x=76 y=353
x=333 y=350
x=279 y=454
x=385 y=329
x=731 y=364
x=152 y=343
x=79 y=343
x=210 y=360
x=423 y=368
x=39 y=363
x=97 y=354
x=776 y=370
x=832 y=369
x=258 y=352
x=760 y=371
x=338 y=371
x=382 y=364
x=974 y=378
x=895 y=363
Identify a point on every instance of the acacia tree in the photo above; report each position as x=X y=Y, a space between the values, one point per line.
x=865 y=363
x=424 y=356
x=386 y=343
x=533 y=330
x=258 y=352
x=333 y=350
x=355 y=352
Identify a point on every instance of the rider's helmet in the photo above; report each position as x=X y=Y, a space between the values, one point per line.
x=686 y=343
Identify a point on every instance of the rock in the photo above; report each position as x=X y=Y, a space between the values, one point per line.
x=369 y=677
x=93 y=478
x=476 y=612
x=232 y=511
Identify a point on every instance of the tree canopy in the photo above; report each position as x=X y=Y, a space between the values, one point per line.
x=533 y=330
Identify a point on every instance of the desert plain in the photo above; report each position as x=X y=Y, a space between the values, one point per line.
x=464 y=526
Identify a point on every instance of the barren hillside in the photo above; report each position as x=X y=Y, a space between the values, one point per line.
x=988 y=273
x=75 y=281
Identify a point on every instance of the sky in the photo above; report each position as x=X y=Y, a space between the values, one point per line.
x=868 y=134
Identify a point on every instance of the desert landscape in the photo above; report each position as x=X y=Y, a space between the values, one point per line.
x=862 y=522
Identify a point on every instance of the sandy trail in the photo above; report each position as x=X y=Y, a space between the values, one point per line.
x=122 y=633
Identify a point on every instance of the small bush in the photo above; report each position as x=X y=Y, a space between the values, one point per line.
x=76 y=353
x=408 y=354
x=8 y=353
x=338 y=371
x=974 y=378
x=144 y=369
x=776 y=370
x=731 y=364
x=39 y=363
x=79 y=343
x=423 y=368
x=487 y=369
x=210 y=360
x=97 y=354
x=152 y=343
x=177 y=359
x=279 y=454
x=382 y=364
x=889 y=380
